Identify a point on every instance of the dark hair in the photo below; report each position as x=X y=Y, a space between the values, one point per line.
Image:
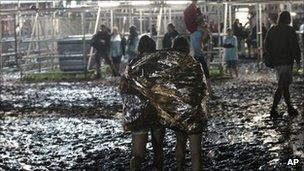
x=284 y=18
x=146 y=45
x=171 y=26
x=181 y=44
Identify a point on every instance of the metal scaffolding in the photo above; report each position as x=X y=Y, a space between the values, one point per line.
x=31 y=42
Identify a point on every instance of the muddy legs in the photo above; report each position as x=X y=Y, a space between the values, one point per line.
x=157 y=143
x=195 y=148
x=139 y=141
x=196 y=154
x=180 y=150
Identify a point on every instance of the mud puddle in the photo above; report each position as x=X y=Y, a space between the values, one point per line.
x=240 y=134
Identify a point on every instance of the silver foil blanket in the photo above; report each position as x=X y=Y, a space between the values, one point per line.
x=174 y=84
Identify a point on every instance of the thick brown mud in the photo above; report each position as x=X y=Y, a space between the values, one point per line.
x=75 y=126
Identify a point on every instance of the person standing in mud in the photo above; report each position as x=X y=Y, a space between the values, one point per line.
x=132 y=43
x=140 y=117
x=282 y=45
x=200 y=38
x=181 y=44
x=231 y=53
x=169 y=36
x=101 y=43
x=118 y=46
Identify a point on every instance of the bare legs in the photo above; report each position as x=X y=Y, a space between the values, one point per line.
x=157 y=143
x=196 y=151
x=180 y=150
x=195 y=148
x=233 y=70
x=139 y=141
x=209 y=89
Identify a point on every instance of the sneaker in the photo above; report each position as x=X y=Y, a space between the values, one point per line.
x=274 y=114
x=293 y=112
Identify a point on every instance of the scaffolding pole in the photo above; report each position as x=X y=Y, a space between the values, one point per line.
x=159 y=23
x=112 y=19
x=225 y=17
x=1 y=58
x=261 y=32
x=230 y=15
x=16 y=42
x=83 y=42
x=140 y=22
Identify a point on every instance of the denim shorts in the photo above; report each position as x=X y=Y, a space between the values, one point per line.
x=231 y=63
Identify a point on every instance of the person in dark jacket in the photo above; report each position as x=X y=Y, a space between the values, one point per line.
x=237 y=31
x=132 y=43
x=140 y=117
x=169 y=36
x=101 y=43
x=282 y=45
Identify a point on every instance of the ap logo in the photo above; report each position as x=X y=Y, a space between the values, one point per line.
x=293 y=162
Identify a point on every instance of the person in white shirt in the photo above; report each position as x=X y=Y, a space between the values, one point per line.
x=118 y=46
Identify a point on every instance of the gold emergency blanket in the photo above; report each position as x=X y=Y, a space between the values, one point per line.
x=174 y=84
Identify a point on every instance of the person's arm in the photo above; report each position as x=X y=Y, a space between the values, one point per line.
x=267 y=42
x=294 y=46
x=234 y=42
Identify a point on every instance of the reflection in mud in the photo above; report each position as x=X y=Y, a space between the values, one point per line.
x=240 y=135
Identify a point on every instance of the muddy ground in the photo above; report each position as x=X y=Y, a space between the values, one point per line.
x=76 y=126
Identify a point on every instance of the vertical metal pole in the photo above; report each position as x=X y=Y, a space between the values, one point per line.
x=225 y=17
x=170 y=15
x=150 y=21
x=83 y=41
x=95 y=31
x=219 y=24
x=140 y=21
x=219 y=36
x=257 y=25
x=112 y=19
x=261 y=31
x=165 y=21
x=53 y=35
x=1 y=59
x=130 y=17
x=159 y=21
x=230 y=15
x=38 y=44
x=16 y=41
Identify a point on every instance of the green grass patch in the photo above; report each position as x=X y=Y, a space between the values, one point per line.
x=216 y=72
